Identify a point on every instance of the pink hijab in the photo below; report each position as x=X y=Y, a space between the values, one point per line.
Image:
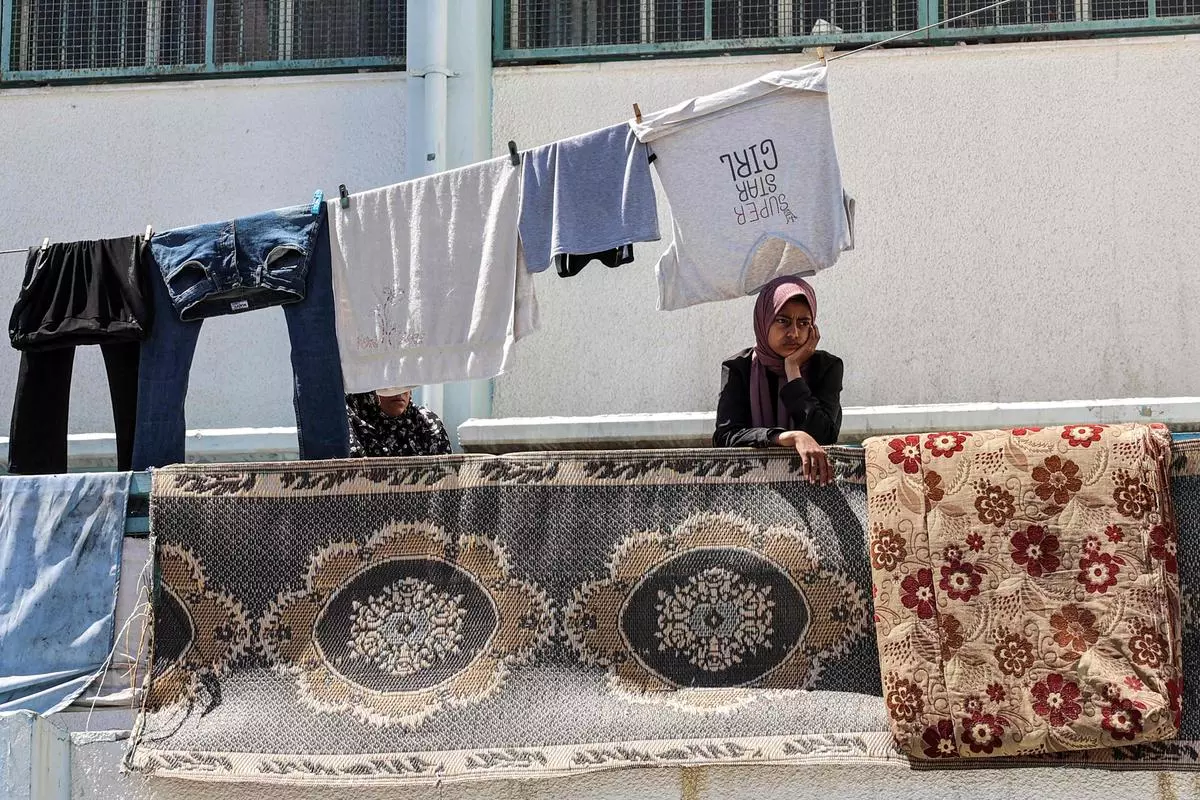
x=767 y=411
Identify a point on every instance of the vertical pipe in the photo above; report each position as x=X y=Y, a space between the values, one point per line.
x=210 y=35
x=708 y=26
x=437 y=42
x=438 y=106
x=427 y=39
x=502 y=37
x=926 y=14
x=6 y=37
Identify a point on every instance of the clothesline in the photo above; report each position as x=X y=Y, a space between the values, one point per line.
x=864 y=48
x=906 y=34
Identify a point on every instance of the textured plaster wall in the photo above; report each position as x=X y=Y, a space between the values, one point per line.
x=96 y=162
x=1026 y=230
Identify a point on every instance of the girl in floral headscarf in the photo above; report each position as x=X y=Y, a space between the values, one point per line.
x=783 y=392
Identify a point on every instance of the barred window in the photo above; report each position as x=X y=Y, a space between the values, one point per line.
x=538 y=24
x=51 y=39
x=539 y=30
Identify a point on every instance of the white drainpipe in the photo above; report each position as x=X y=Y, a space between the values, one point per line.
x=449 y=125
x=428 y=90
x=436 y=72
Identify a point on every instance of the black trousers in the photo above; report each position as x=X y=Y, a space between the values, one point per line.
x=37 y=442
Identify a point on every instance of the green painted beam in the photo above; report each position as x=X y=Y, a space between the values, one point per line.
x=6 y=35
x=210 y=34
x=199 y=70
x=1092 y=27
x=137 y=517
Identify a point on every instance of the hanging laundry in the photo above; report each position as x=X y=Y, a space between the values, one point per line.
x=304 y=274
x=76 y=293
x=586 y=194
x=570 y=265
x=426 y=278
x=752 y=177
x=37 y=443
x=60 y=555
x=240 y=265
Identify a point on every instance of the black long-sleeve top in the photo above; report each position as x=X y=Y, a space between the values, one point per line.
x=814 y=402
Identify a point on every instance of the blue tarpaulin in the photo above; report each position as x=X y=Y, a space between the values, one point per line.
x=60 y=563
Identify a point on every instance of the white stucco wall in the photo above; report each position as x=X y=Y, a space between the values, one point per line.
x=94 y=162
x=1026 y=230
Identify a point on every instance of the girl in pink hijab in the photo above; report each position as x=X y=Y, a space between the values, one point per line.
x=783 y=392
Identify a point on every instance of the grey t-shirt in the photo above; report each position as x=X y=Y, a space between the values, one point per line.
x=586 y=194
x=754 y=185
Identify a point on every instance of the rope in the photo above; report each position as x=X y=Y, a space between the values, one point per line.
x=906 y=34
x=855 y=51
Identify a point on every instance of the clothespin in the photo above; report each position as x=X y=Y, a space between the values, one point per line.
x=318 y=201
x=343 y=196
x=637 y=113
x=513 y=153
x=46 y=243
x=149 y=232
x=821 y=54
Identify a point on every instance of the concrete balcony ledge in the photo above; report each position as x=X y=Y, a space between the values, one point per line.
x=97 y=451
x=694 y=429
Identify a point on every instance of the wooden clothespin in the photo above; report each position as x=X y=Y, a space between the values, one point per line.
x=637 y=113
x=821 y=54
x=513 y=153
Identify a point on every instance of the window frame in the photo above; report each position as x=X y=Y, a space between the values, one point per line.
x=507 y=25
x=12 y=73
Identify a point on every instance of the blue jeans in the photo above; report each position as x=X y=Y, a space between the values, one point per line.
x=166 y=359
x=240 y=265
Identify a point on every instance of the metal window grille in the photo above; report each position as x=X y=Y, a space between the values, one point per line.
x=560 y=30
x=548 y=24
x=47 y=40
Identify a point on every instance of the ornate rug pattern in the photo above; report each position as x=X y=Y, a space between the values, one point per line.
x=425 y=620
x=469 y=617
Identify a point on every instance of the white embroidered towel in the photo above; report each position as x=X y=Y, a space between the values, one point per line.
x=428 y=279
